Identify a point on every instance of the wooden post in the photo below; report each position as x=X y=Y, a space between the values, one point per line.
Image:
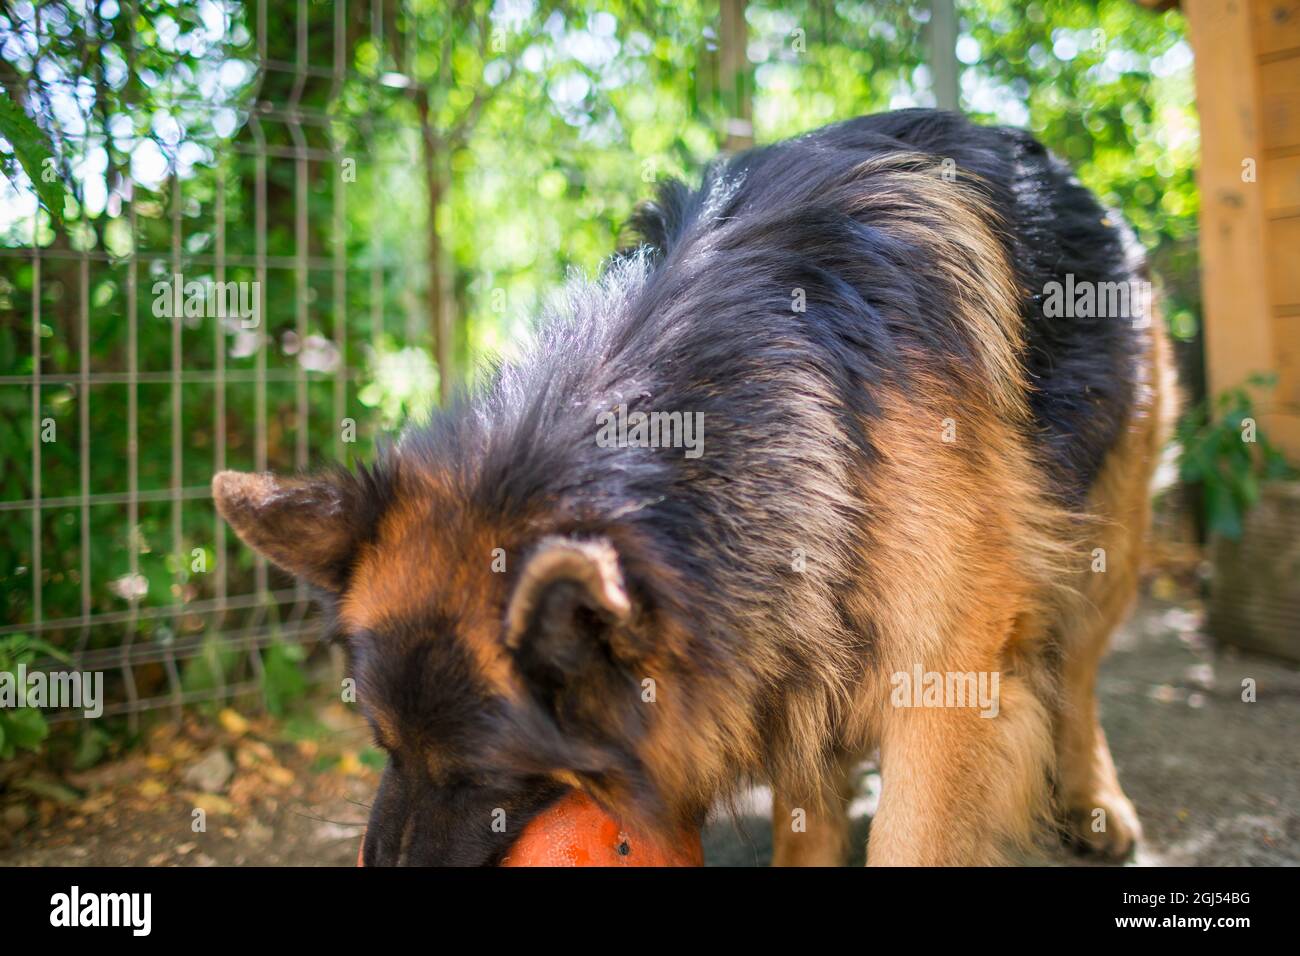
x=1248 y=97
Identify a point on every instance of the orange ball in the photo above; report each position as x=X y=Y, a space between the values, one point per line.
x=577 y=832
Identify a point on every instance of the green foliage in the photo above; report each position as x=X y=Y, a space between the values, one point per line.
x=539 y=127
x=32 y=151
x=22 y=728
x=283 y=681
x=1224 y=452
x=210 y=669
x=402 y=384
x=92 y=745
x=373 y=757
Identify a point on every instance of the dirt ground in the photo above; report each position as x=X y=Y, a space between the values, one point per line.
x=1216 y=780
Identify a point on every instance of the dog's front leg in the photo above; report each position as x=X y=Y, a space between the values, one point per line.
x=961 y=786
x=814 y=831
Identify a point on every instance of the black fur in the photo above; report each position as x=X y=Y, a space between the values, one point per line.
x=433 y=806
x=1080 y=368
x=469 y=772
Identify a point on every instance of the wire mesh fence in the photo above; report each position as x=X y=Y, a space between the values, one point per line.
x=213 y=313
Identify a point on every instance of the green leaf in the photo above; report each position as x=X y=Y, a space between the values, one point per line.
x=282 y=678
x=1224 y=516
x=33 y=151
x=45 y=647
x=91 y=746
x=25 y=727
x=1249 y=488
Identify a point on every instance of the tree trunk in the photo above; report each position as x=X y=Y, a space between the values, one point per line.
x=438 y=298
x=737 y=77
x=944 y=69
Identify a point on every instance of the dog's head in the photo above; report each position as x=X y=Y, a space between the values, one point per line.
x=497 y=665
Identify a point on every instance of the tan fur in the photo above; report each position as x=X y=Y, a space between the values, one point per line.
x=412 y=565
x=972 y=569
x=963 y=556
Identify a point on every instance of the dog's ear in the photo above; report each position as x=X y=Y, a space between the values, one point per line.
x=307 y=526
x=571 y=624
x=566 y=609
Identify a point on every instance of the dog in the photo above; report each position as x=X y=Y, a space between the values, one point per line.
x=919 y=474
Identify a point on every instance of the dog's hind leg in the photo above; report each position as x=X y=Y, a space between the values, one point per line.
x=1096 y=815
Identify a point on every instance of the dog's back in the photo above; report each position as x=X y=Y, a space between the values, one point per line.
x=1080 y=366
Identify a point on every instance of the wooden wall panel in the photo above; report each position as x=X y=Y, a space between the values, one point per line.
x=1286 y=333
x=1276 y=25
x=1281 y=185
x=1283 y=251
x=1279 y=85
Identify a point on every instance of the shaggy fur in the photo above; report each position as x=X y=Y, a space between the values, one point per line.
x=906 y=463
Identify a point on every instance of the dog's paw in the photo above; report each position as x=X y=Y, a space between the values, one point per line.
x=1106 y=826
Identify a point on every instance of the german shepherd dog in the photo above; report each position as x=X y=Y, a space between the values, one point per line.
x=915 y=470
